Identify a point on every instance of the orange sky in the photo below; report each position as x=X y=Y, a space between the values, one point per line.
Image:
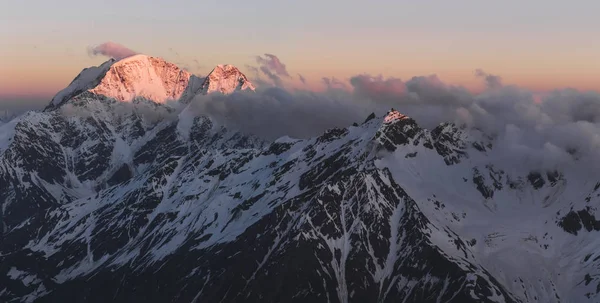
x=540 y=45
x=23 y=74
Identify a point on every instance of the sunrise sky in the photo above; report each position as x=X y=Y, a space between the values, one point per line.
x=540 y=45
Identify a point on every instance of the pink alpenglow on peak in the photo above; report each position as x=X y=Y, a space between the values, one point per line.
x=226 y=79
x=150 y=78
x=393 y=115
x=143 y=76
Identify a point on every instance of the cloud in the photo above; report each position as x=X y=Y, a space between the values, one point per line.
x=378 y=88
x=528 y=132
x=275 y=78
x=274 y=112
x=492 y=81
x=333 y=83
x=254 y=74
x=112 y=50
x=273 y=64
x=274 y=71
x=253 y=70
x=302 y=79
x=149 y=112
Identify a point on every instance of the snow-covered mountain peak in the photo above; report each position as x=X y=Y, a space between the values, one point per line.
x=150 y=78
x=143 y=76
x=226 y=79
x=136 y=76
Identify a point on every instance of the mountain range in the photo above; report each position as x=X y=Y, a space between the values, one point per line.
x=119 y=191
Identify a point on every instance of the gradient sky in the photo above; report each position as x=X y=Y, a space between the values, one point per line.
x=540 y=45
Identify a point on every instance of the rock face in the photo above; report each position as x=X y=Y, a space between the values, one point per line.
x=105 y=205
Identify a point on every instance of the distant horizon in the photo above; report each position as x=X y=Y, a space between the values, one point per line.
x=23 y=100
x=538 y=45
x=466 y=78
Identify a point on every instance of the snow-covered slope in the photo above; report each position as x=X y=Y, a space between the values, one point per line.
x=105 y=202
x=87 y=79
x=7 y=132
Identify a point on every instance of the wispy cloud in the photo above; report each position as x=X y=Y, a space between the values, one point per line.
x=111 y=50
x=302 y=79
x=333 y=82
x=271 y=67
x=274 y=77
x=273 y=64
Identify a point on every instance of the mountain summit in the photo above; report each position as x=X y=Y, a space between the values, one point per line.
x=150 y=78
x=226 y=79
x=143 y=76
